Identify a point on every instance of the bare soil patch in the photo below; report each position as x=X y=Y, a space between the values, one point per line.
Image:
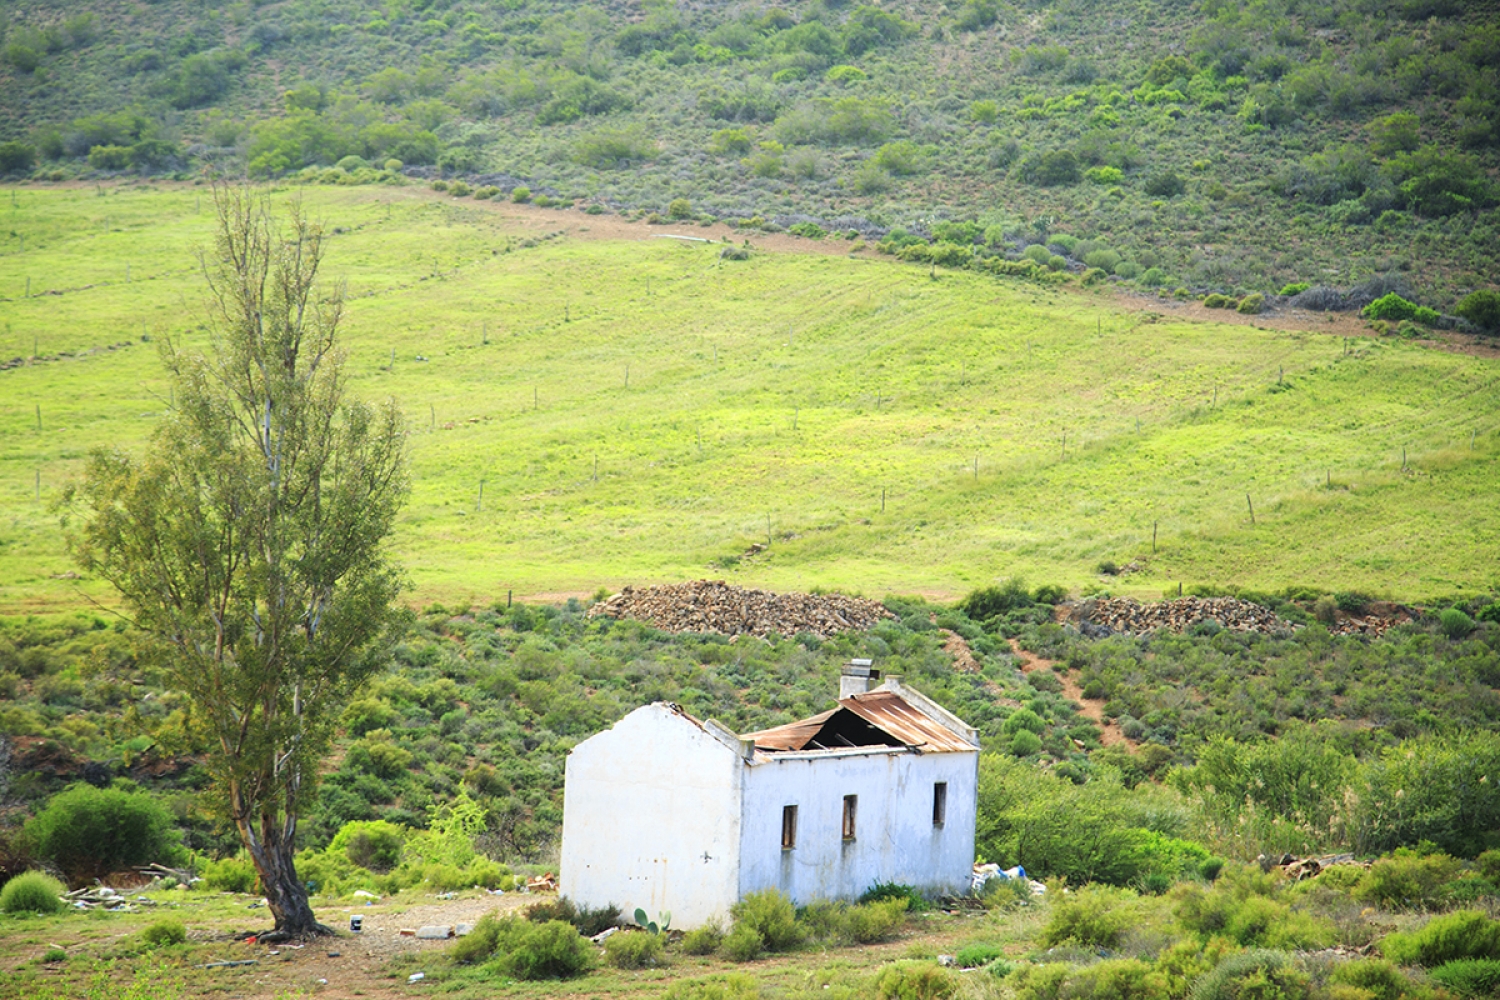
x=1091 y=709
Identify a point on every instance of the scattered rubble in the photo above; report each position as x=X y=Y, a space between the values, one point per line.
x=714 y=606
x=1298 y=869
x=1123 y=614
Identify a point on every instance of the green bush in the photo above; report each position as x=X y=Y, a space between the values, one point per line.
x=1408 y=879
x=680 y=208
x=553 y=950
x=372 y=844
x=704 y=940
x=1253 y=975
x=1242 y=905
x=634 y=949
x=520 y=194
x=1454 y=623
x=1474 y=977
x=1216 y=301
x=975 y=955
x=32 y=892
x=1025 y=743
x=1379 y=979
x=236 y=874
x=16 y=157
x=1093 y=916
x=109 y=157
x=1251 y=304
x=1295 y=288
x=1482 y=308
x=164 y=932
x=396 y=759
x=1390 y=307
x=480 y=943
x=881 y=891
x=1427 y=316
x=915 y=981
x=771 y=916
x=742 y=944
x=868 y=923
x=89 y=832
x=1448 y=938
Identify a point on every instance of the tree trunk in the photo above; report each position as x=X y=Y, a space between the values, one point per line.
x=285 y=894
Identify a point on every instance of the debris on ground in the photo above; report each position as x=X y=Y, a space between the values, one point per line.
x=715 y=606
x=542 y=883
x=1299 y=869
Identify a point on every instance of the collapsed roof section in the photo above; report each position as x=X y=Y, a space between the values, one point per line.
x=870 y=720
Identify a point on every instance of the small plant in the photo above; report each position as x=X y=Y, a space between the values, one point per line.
x=480 y=943
x=1295 y=288
x=459 y=189
x=771 y=916
x=1216 y=301
x=653 y=926
x=440 y=185
x=231 y=875
x=1251 y=304
x=742 y=944
x=164 y=932
x=520 y=194
x=1454 y=623
x=634 y=949
x=54 y=955
x=32 y=892
x=680 y=208
x=868 y=923
x=1482 y=308
x=704 y=940
x=1094 y=917
x=1472 y=977
x=976 y=955
x=733 y=986
x=1449 y=938
x=1408 y=879
x=1390 y=307
x=881 y=891
x=915 y=981
x=553 y=950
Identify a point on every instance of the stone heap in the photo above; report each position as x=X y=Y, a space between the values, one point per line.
x=715 y=606
x=1123 y=614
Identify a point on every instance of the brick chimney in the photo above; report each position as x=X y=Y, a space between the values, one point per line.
x=856 y=678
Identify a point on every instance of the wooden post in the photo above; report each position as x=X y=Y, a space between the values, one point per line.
x=567 y=314
x=1179 y=588
x=976 y=468
x=1252 y=508
x=39 y=418
x=627 y=376
x=768 y=530
x=535 y=399
x=480 y=504
x=796 y=411
x=1403 y=458
x=432 y=412
x=1472 y=433
x=1065 y=444
x=596 y=468
x=1154 y=525
x=1280 y=372
x=1329 y=482
x=507 y=598
x=1216 y=397
x=38 y=484
x=485 y=336
x=882 y=500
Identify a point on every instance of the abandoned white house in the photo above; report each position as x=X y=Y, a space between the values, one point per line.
x=678 y=816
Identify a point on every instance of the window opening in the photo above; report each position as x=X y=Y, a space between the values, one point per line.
x=851 y=803
x=788 y=827
x=939 y=803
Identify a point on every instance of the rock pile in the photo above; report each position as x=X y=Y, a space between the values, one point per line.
x=1123 y=614
x=715 y=606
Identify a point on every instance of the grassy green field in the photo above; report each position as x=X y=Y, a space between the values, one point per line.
x=638 y=411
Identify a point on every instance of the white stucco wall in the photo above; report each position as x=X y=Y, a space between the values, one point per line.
x=651 y=818
x=895 y=840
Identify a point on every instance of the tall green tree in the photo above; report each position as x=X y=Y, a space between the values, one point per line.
x=247 y=543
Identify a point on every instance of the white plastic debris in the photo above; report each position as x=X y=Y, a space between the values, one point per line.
x=435 y=932
x=416 y=977
x=604 y=935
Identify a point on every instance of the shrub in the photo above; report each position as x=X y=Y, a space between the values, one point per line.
x=440 y=185
x=1104 y=175
x=1408 y=879
x=742 y=944
x=881 y=891
x=480 y=943
x=1251 y=304
x=1128 y=269
x=1474 y=977
x=1165 y=185
x=591 y=920
x=235 y=874
x=89 y=832
x=680 y=208
x=393 y=764
x=984 y=112
x=915 y=981
x=556 y=908
x=553 y=950
x=634 y=949
x=481 y=194
x=899 y=158
x=1094 y=917
x=520 y=194
x=975 y=955
x=1217 y=301
x=1253 y=975
x=32 y=892
x=1379 y=979
x=16 y=157
x=1448 y=938
x=109 y=157
x=871 y=922
x=771 y=916
x=164 y=932
x=704 y=940
x=1454 y=623
x=1295 y=288
x=1482 y=308
x=1391 y=307
x=1025 y=743
x=372 y=844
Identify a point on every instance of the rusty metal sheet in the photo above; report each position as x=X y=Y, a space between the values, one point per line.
x=884 y=710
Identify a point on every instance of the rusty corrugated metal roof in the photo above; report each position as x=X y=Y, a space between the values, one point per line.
x=884 y=710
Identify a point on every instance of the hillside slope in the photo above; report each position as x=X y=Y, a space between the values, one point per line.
x=641 y=409
x=1210 y=146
